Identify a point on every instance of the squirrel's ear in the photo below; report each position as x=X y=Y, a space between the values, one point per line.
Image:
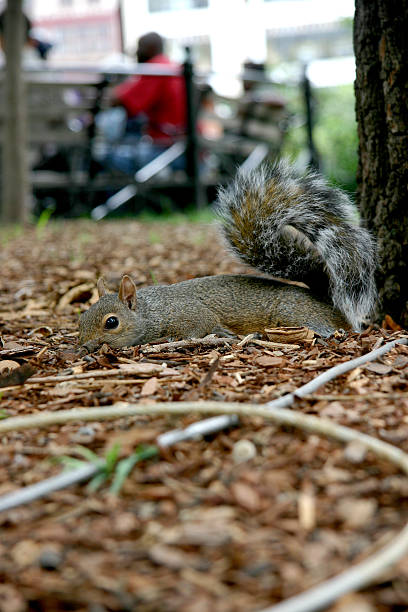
x=101 y=287
x=127 y=292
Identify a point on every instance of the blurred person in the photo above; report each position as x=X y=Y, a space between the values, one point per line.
x=36 y=47
x=253 y=74
x=258 y=101
x=148 y=114
x=209 y=124
x=261 y=111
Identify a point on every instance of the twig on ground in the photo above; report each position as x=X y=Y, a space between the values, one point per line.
x=79 y=376
x=206 y=341
x=275 y=345
x=245 y=340
x=265 y=343
x=362 y=397
x=141 y=369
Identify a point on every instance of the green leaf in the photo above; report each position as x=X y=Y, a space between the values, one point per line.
x=125 y=466
x=87 y=454
x=122 y=471
x=112 y=457
x=144 y=452
x=153 y=277
x=97 y=481
x=44 y=218
x=71 y=463
x=109 y=465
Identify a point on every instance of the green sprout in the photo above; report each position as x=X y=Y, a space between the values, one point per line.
x=43 y=219
x=153 y=277
x=125 y=466
x=109 y=467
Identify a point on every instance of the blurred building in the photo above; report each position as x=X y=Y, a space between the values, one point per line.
x=222 y=33
x=225 y=33
x=82 y=31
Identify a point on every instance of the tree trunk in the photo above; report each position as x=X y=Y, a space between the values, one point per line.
x=381 y=87
x=14 y=165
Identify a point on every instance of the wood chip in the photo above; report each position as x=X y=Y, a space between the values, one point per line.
x=290 y=334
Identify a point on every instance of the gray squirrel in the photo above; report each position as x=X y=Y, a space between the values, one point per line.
x=291 y=227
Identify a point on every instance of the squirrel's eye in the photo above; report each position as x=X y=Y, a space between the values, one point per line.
x=111 y=323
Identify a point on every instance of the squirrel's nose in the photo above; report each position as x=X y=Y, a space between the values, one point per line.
x=86 y=343
x=92 y=345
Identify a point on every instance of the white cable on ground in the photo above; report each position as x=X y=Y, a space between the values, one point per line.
x=322 y=379
x=353 y=579
x=30 y=493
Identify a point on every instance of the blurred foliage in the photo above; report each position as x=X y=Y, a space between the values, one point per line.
x=335 y=133
x=347 y=22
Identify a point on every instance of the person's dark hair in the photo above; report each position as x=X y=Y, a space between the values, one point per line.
x=149 y=45
x=260 y=66
x=27 y=24
x=251 y=67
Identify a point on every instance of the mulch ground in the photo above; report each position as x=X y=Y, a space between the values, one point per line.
x=198 y=529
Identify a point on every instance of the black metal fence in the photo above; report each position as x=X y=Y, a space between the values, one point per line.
x=97 y=81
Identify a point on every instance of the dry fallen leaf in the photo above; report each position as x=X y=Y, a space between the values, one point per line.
x=197 y=533
x=307 y=507
x=268 y=361
x=11 y=600
x=356 y=512
x=6 y=365
x=290 y=334
x=17 y=376
x=353 y=602
x=79 y=293
x=389 y=323
x=147 y=368
x=174 y=558
x=43 y=330
x=150 y=387
x=25 y=552
x=378 y=368
x=128 y=440
x=246 y=496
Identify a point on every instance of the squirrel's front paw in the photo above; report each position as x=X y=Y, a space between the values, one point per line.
x=223 y=332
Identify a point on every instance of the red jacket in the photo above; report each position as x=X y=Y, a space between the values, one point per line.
x=161 y=98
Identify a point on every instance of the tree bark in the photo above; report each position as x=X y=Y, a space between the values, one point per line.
x=381 y=87
x=14 y=164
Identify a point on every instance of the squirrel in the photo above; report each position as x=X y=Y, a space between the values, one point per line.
x=288 y=226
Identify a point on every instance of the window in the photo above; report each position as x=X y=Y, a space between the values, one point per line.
x=173 y=5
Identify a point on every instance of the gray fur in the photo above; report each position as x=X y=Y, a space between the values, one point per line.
x=336 y=255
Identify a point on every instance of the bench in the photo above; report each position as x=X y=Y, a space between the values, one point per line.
x=61 y=132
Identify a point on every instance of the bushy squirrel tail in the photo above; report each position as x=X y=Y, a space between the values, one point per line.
x=300 y=228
